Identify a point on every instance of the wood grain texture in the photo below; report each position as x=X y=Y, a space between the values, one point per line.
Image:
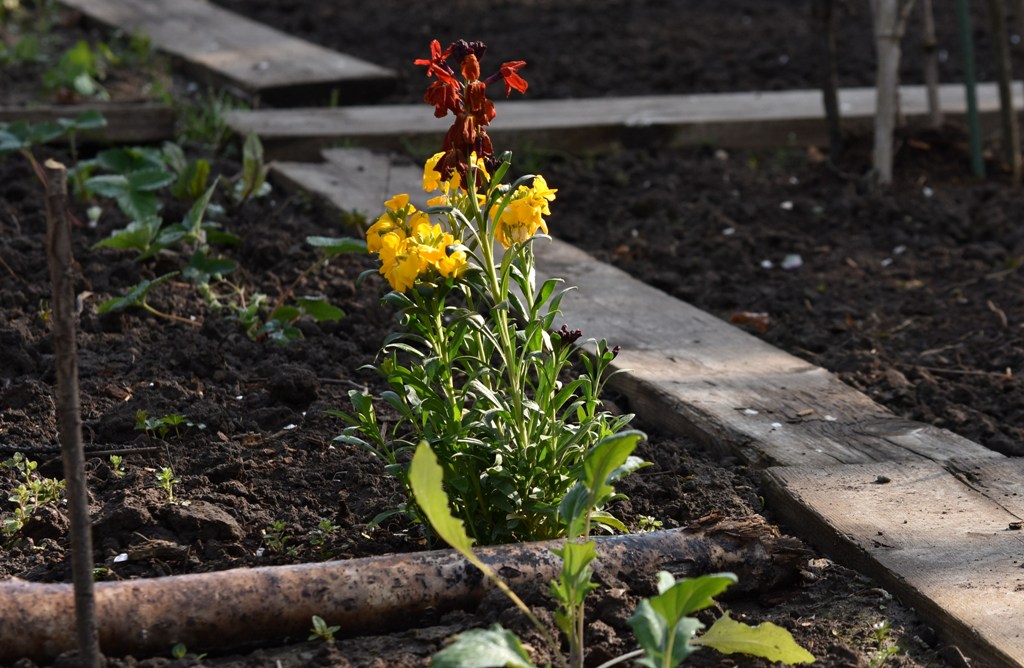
x=226 y=47
x=942 y=546
x=737 y=120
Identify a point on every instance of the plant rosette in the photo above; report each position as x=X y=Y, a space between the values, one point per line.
x=479 y=370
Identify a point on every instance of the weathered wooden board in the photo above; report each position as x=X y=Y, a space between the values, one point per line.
x=690 y=371
x=942 y=546
x=742 y=120
x=224 y=47
x=132 y=123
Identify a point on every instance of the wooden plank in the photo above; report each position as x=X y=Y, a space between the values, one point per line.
x=740 y=120
x=689 y=371
x=1002 y=481
x=940 y=545
x=126 y=123
x=224 y=47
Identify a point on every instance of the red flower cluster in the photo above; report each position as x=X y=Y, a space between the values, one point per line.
x=468 y=101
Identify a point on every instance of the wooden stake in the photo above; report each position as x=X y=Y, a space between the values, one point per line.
x=823 y=12
x=69 y=420
x=931 y=63
x=1004 y=69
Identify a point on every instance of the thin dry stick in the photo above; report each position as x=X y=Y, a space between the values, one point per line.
x=824 y=20
x=69 y=419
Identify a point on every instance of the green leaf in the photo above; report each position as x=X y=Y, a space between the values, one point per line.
x=337 y=245
x=137 y=235
x=765 y=640
x=604 y=459
x=572 y=511
x=194 y=218
x=320 y=309
x=660 y=640
x=136 y=296
x=149 y=179
x=484 y=648
x=201 y=268
x=426 y=479
x=89 y=120
x=677 y=599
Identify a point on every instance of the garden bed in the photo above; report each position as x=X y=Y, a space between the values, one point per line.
x=265 y=454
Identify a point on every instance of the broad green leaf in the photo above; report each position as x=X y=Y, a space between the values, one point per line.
x=137 y=236
x=607 y=456
x=337 y=245
x=426 y=479
x=201 y=267
x=285 y=313
x=320 y=309
x=676 y=599
x=149 y=179
x=483 y=648
x=123 y=160
x=108 y=185
x=765 y=640
x=574 y=582
x=89 y=120
x=572 y=510
x=194 y=218
x=658 y=639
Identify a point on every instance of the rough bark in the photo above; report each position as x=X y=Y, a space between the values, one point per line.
x=239 y=607
x=69 y=420
x=890 y=18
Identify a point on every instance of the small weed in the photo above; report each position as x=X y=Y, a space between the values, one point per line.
x=117 y=465
x=166 y=479
x=180 y=652
x=276 y=538
x=887 y=648
x=162 y=426
x=321 y=630
x=647 y=523
x=31 y=493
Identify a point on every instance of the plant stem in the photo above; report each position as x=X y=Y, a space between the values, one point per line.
x=171 y=316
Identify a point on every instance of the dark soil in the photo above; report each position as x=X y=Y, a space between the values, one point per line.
x=912 y=294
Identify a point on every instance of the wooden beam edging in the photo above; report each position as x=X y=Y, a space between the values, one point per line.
x=127 y=122
x=943 y=537
x=732 y=120
x=222 y=47
x=689 y=371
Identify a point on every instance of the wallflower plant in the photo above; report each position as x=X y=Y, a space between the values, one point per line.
x=481 y=371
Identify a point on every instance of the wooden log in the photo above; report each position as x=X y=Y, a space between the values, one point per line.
x=372 y=595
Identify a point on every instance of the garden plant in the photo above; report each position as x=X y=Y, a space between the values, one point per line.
x=484 y=392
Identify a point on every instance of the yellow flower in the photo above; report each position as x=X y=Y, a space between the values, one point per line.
x=400 y=262
x=384 y=225
x=453 y=265
x=432 y=177
x=523 y=215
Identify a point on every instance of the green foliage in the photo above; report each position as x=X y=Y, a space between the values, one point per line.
x=252 y=182
x=202 y=119
x=166 y=480
x=662 y=624
x=31 y=492
x=180 y=652
x=276 y=538
x=117 y=465
x=80 y=70
x=22 y=136
x=160 y=427
x=322 y=631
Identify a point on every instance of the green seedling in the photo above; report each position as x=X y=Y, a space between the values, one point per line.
x=318 y=536
x=160 y=427
x=137 y=296
x=166 y=479
x=32 y=492
x=79 y=71
x=647 y=523
x=180 y=652
x=192 y=175
x=276 y=538
x=252 y=182
x=203 y=120
x=886 y=647
x=321 y=631
x=117 y=465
